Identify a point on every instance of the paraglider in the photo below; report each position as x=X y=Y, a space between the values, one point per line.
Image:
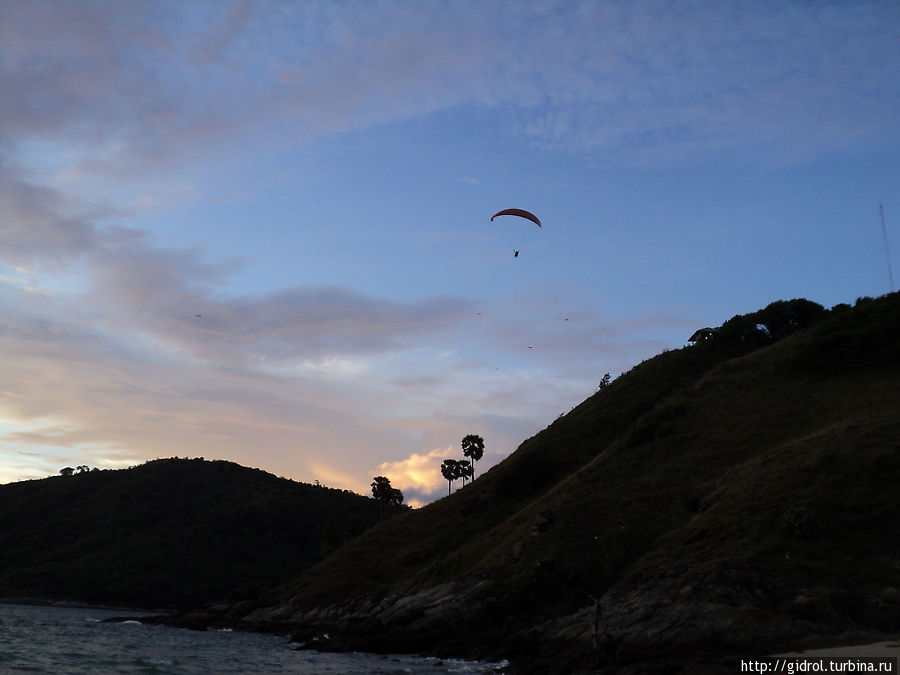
x=521 y=213
x=518 y=212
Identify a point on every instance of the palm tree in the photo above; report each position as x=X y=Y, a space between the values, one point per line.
x=450 y=471
x=465 y=470
x=473 y=447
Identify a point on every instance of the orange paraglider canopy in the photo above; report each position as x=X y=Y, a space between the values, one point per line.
x=518 y=212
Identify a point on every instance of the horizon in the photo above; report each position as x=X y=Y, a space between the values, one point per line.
x=261 y=233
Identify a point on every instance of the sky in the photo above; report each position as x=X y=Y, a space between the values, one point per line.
x=316 y=181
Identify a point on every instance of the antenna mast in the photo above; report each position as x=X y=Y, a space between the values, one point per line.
x=887 y=251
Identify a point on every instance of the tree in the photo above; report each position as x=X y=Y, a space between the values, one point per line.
x=68 y=471
x=384 y=493
x=604 y=383
x=450 y=471
x=396 y=497
x=473 y=447
x=464 y=470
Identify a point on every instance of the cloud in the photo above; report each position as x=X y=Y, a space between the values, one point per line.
x=418 y=476
x=126 y=88
x=420 y=472
x=310 y=382
x=98 y=389
x=317 y=321
x=132 y=88
x=647 y=82
x=157 y=291
x=40 y=224
x=112 y=397
x=119 y=368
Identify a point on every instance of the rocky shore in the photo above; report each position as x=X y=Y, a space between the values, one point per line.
x=659 y=627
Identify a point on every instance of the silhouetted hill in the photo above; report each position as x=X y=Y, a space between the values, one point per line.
x=724 y=499
x=168 y=533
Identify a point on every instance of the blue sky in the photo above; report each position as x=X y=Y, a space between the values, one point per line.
x=317 y=179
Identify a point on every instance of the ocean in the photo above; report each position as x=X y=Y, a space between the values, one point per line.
x=74 y=641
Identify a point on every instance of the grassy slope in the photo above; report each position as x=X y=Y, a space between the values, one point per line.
x=782 y=461
x=452 y=536
x=169 y=533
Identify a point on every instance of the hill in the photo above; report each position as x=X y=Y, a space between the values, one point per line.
x=725 y=499
x=170 y=533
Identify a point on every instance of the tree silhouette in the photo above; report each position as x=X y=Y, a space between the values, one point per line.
x=384 y=493
x=67 y=471
x=450 y=471
x=464 y=470
x=473 y=448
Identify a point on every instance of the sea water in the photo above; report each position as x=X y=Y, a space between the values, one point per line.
x=65 y=640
